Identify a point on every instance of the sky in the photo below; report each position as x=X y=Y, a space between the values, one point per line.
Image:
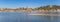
x=27 y=3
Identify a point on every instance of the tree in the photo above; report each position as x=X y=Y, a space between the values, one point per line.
x=48 y=7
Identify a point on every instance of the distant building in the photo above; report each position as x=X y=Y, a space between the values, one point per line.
x=29 y=9
x=58 y=10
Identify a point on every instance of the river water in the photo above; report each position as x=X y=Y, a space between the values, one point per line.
x=23 y=17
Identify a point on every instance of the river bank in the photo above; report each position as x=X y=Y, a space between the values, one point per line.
x=43 y=15
x=39 y=13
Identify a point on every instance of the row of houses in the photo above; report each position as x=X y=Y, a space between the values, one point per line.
x=52 y=10
x=29 y=10
x=16 y=10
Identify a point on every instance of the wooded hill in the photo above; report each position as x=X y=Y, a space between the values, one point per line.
x=48 y=7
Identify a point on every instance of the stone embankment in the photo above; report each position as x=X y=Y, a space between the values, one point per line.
x=43 y=15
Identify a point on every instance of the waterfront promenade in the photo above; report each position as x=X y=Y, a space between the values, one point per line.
x=40 y=12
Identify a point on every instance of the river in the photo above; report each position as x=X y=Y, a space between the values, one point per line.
x=22 y=17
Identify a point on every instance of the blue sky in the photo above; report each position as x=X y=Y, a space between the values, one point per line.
x=27 y=3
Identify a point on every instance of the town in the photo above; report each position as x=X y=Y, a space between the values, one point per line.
x=47 y=8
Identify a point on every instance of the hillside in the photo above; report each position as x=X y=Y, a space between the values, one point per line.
x=48 y=7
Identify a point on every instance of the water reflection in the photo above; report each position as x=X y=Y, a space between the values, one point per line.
x=43 y=19
x=22 y=17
